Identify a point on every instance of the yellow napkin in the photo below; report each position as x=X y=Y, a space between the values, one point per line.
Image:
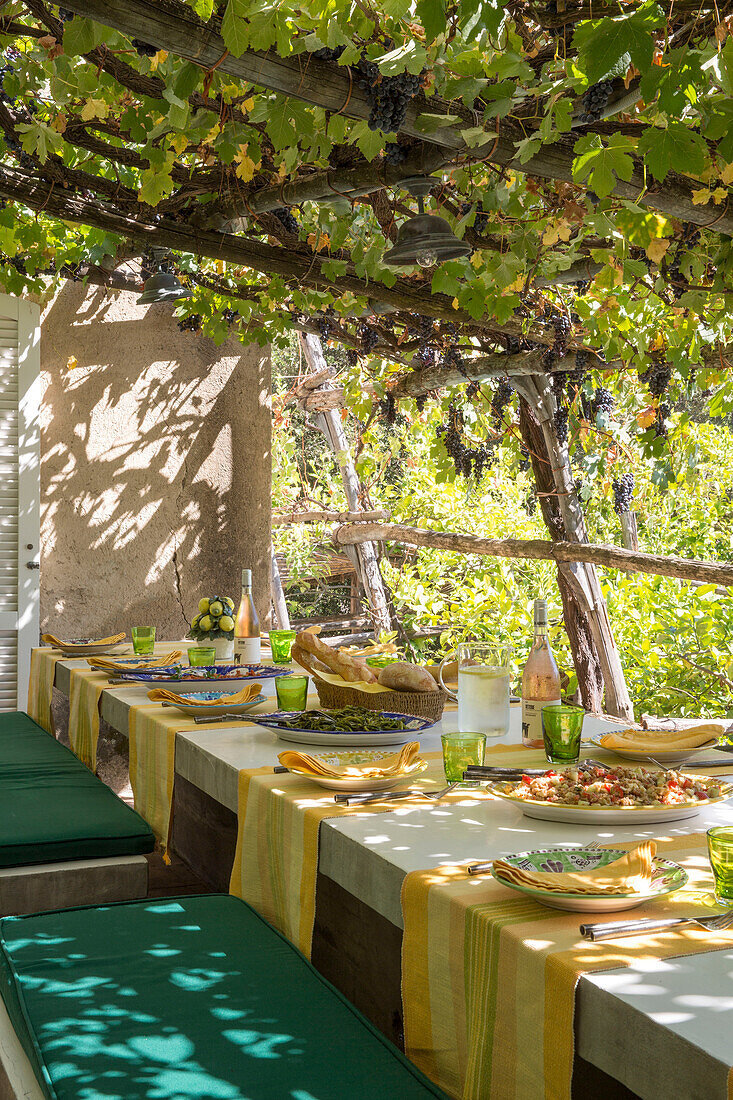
x=240 y=698
x=662 y=740
x=51 y=639
x=107 y=664
x=396 y=764
x=632 y=873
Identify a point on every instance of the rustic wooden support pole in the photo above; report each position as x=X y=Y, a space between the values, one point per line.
x=279 y=604
x=326 y=516
x=330 y=424
x=629 y=530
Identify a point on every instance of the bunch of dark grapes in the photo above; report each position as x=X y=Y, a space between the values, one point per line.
x=524 y=459
x=4 y=97
x=395 y=154
x=561 y=423
x=548 y=359
x=602 y=401
x=582 y=359
x=623 y=491
x=352 y=357
x=660 y=425
x=451 y=357
x=388 y=409
x=323 y=324
x=501 y=399
x=420 y=327
x=656 y=377
x=230 y=315
x=327 y=54
x=562 y=328
x=389 y=96
x=473 y=389
x=144 y=49
x=558 y=380
x=421 y=401
x=595 y=100
x=190 y=324
x=427 y=355
x=367 y=337
x=287 y=219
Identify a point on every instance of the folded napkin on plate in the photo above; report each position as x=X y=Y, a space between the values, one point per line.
x=107 y=664
x=239 y=698
x=631 y=873
x=51 y=639
x=396 y=764
x=663 y=740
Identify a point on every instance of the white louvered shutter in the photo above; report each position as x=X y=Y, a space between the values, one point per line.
x=19 y=495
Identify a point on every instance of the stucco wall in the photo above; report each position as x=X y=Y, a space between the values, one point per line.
x=155 y=477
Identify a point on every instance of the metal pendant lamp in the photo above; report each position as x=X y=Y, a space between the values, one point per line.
x=164 y=286
x=426 y=239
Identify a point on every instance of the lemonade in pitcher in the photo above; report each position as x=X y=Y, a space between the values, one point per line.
x=483 y=688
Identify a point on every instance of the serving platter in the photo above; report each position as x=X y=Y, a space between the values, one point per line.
x=348 y=738
x=672 y=757
x=612 y=815
x=214 y=711
x=198 y=678
x=358 y=784
x=668 y=877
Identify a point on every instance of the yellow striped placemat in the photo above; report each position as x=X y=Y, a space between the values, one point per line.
x=40 y=685
x=489 y=975
x=85 y=693
x=276 y=861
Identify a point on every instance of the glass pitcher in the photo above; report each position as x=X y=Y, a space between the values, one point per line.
x=484 y=676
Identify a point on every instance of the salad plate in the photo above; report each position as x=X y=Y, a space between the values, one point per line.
x=668 y=876
x=198 y=678
x=214 y=711
x=405 y=729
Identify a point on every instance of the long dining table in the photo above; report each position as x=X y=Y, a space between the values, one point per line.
x=651 y=1029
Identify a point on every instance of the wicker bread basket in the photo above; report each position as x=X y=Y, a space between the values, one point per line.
x=422 y=704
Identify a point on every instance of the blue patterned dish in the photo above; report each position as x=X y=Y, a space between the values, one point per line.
x=199 y=678
x=352 y=738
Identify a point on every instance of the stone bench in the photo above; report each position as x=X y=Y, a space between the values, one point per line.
x=65 y=837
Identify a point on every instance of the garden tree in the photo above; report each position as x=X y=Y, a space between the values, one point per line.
x=584 y=158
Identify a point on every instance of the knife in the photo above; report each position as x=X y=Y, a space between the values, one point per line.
x=384 y=796
x=204 y=720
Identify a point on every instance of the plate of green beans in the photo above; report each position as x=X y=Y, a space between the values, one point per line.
x=351 y=726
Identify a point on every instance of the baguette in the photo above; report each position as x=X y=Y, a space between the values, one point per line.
x=402 y=676
x=351 y=669
x=306 y=660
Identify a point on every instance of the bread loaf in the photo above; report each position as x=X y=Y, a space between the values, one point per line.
x=352 y=669
x=402 y=676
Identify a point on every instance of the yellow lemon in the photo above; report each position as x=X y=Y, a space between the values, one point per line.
x=196 y=621
x=226 y=622
x=228 y=603
x=203 y=606
x=205 y=622
x=216 y=608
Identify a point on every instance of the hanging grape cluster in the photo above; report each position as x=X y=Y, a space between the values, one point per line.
x=367 y=337
x=623 y=492
x=602 y=401
x=663 y=414
x=690 y=237
x=470 y=461
x=595 y=100
x=287 y=219
x=656 y=377
x=561 y=417
x=501 y=399
x=144 y=49
x=395 y=154
x=388 y=409
x=389 y=96
x=191 y=323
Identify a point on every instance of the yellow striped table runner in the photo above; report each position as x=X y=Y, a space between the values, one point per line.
x=489 y=975
x=276 y=861
x=40 y=685
x=152 y=734
x=85 y=693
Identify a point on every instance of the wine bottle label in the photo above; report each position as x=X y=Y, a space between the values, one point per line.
x=532 y=720
x=247 y=651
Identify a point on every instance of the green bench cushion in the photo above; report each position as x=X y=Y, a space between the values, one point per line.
x=53 y=808
x=187 y=997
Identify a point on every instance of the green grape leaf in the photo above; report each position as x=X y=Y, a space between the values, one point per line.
x=40 y=139
x=154 y=186
x=601 y=43
x=602 y=164
x=82 y=35
x=280 y=125
x=677 y=148
x=235 y=28
x=431 y=14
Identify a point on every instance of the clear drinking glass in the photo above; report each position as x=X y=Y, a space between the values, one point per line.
x=562 y=727
x=460 y=750
x=484 y=675
x=281 y=642
x=143 y=640
x=292 y=692
x=720 y=850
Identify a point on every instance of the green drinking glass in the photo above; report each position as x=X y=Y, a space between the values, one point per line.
x=460 y=750
x=562 y=727
x=720 y=850
x=201 y=655
x=281 y=643
x=143 y=640
x=292 y=692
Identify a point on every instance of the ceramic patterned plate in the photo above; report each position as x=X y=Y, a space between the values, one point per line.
x=668 y=876
x=81 y=649
x=672 y=757
x=347 y=738
x=613 y=815
x=199 y=678
x=356 y=784
x=195 y=711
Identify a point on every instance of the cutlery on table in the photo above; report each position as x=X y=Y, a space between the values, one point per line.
x=387 y=796
x=203 y=719
x=610 y=930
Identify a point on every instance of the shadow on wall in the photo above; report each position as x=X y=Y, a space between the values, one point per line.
x=155 y=475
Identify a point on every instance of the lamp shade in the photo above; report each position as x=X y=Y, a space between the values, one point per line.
x=425 y=239
x=164 y=286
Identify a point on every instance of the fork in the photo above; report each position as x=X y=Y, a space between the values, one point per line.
x=387 y=796
x=611 y=930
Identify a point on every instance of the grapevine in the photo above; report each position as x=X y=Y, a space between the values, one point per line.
x=389 y=96
x=144 y=49
x=595 y=100
x=623 y=491
x=191 y=323
x=367 y=337
x=395 y=154
x=602 y=402
x=287 y=219
x=501 y=399
x=657 y=378
x=561 y=423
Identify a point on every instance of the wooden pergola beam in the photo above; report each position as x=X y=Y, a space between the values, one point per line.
x=609 y=557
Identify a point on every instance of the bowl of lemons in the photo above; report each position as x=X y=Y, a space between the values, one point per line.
x=213 y=625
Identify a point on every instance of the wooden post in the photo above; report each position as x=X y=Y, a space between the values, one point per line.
x=582 y=575
x=329 y=422
x=279 y=606
x=629 y=530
